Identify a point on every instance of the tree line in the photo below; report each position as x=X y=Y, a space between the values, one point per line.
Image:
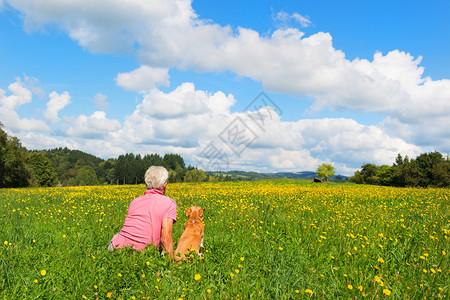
x=20 y=167
x=426 y=170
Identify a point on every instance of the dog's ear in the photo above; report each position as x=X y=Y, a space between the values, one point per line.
x=188 y=212
x=200 y=213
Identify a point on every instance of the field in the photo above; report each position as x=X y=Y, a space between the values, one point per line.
x=280 y=239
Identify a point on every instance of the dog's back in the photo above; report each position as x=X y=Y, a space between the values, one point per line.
x=192 y=237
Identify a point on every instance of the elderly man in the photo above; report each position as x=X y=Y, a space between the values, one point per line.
x=150 y=217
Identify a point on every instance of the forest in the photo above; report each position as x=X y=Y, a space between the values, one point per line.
x=426 y=170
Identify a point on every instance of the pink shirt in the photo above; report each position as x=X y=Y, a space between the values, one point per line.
x=143 y=222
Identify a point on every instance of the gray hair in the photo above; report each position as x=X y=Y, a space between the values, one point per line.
x=155 y=177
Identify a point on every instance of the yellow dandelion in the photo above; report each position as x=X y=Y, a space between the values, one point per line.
x=350 y=287
x=281 y=248
x=380 y=260
x=143 y=275
x=443 y=252
x=242 y=259
x=197 y=277
x=43 y=272
x=108 y=295
x=386 y=292
x=208 y=291
x=83 y=296
x=35 y=281
x=6 y=243
x=308 y=291
x=360 y=288
x=297 y=291
x=120 y=275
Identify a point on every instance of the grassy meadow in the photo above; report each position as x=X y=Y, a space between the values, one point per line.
x=281 y=239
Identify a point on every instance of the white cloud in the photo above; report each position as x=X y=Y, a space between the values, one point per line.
x=9 y=117
x=56 y=103
x=166 y=34
x=144 y=78
x=93 y=126
x=100 y=101
x=283 y=19
x=304 y=20
x=275 y=144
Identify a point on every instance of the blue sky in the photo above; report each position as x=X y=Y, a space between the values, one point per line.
x=345 y=83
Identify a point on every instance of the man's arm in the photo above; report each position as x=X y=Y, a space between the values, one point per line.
x=166 y=236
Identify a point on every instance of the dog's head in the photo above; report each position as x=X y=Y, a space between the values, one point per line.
x=195 y=212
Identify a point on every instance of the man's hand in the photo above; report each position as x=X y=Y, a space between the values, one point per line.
x=166 y=236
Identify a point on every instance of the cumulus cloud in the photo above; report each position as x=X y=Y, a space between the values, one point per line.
x=209 y=130
x=144 y=78
x=56 y=103
x=93 y=126
x=166 y=34
x=19 y=96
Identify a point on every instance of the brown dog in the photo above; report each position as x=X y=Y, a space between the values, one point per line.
x=192 y=236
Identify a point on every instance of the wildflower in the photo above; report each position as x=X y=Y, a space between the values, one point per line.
x=120 y=275
x=350 y=287
x=433 y=271
x=209 y=291
x=197 y=277
x=281 y=248
x=308 y=291
x=360 y=288
x=108 y=295
x=83 y=296
x=443 y=252
x=386 y=292
x=425 y=270
x=35 y=281
x=43 y=272
x=297 y=291
x=242 y=259
x=143 y=275
x=380 y=260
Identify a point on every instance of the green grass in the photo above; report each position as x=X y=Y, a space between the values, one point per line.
x=278 y=239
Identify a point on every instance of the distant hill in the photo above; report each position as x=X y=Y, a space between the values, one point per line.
x=243 y=175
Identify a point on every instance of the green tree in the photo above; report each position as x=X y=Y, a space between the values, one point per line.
x=195 y=175
x=43 y=170
x=86 y=176
x=172 y=161
x=14 y=172
x=325 y=171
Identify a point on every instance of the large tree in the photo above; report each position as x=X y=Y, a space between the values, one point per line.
x=14 y=171
x=43 y=170
x=325 y=171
